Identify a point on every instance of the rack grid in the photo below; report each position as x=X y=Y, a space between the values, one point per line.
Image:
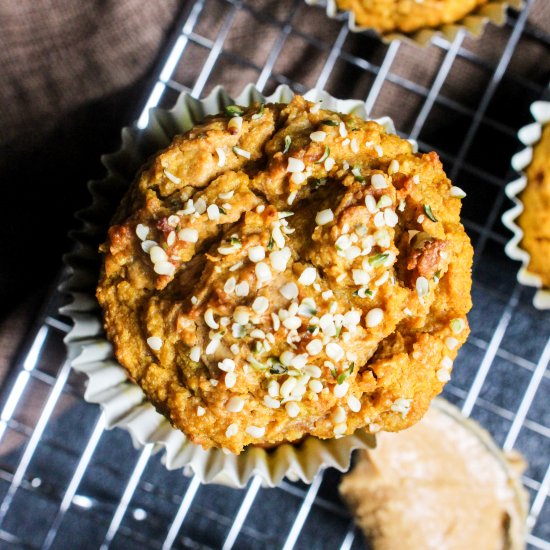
x=464 y=99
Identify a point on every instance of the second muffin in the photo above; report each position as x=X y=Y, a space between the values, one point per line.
x=408 y=16
x=535 y=218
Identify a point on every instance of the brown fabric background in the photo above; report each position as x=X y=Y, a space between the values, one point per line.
x=57 y=55
x=73 y=73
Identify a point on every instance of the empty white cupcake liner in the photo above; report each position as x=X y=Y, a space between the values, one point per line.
x=529 y=135
x=474 y=23
x=123 y=402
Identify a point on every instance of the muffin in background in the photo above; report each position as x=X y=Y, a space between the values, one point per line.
x=408 y=16
x=419 y=21
x=529 y=217
x=535 y=218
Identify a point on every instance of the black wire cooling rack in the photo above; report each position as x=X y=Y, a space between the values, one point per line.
x=65 y=482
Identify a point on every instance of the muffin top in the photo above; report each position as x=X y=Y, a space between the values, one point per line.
x=286 y=270
x=407 y=15
x=535 y=218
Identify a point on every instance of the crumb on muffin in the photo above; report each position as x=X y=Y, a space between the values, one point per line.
x=284 y=270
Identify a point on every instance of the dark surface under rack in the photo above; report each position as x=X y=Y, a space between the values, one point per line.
x=65 y=482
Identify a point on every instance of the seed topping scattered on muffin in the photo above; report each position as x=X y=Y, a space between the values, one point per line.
x=294 y=271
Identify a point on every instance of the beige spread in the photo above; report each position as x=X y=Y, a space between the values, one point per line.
x=438 y=485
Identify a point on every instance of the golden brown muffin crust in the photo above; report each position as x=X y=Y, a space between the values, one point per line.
x=408 y=15
x=535 y=218
x=279 y=274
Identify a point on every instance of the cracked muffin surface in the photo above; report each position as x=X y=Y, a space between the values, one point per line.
x=284 y=270
x=408 y=15
x=535 y=218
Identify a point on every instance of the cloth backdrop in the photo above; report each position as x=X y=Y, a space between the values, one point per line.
x=73 y=72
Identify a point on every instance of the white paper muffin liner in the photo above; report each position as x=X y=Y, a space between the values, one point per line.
x=474 y=23
x=123 y=402
x=529 y=135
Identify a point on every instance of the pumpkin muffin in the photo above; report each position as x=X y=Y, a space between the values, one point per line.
x=283 y=271
x=408 y=16
x=535 y=218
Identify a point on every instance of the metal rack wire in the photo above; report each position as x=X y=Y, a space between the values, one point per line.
x=82 y=483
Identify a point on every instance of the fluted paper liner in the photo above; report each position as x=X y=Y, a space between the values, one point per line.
x=529 y=135
x=473 y=23
x=123 y=402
